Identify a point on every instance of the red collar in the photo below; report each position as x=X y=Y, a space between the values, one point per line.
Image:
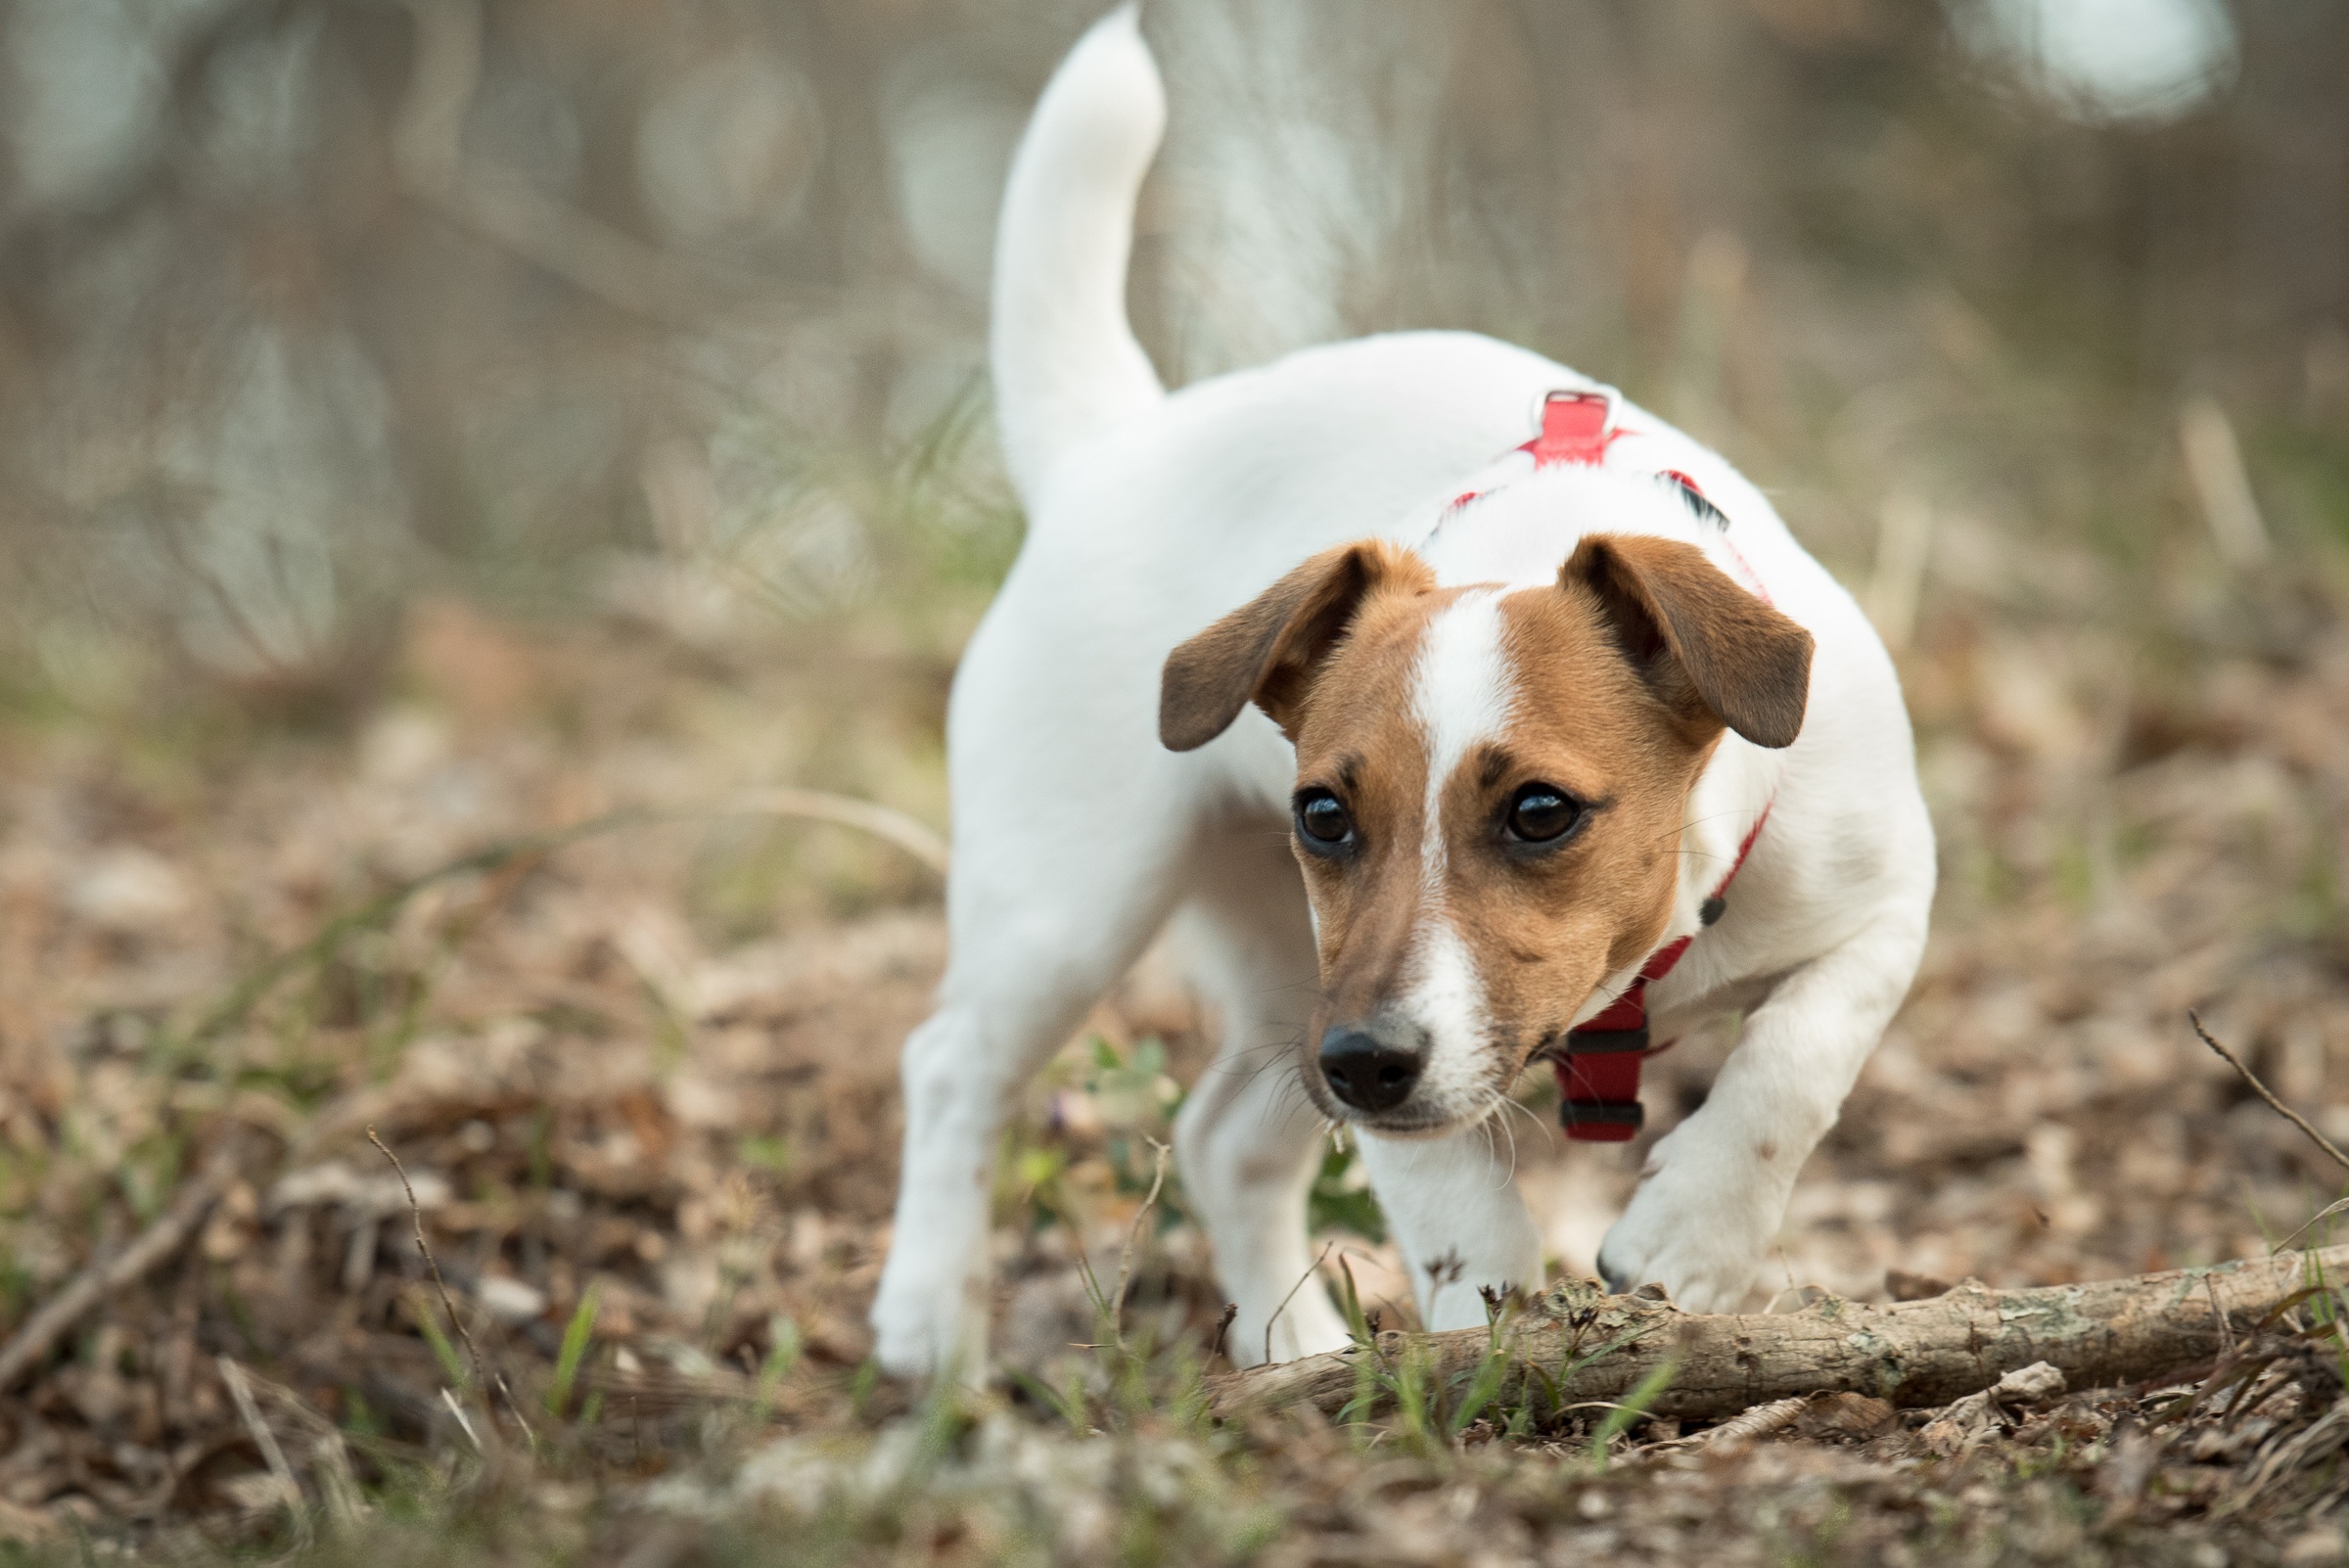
x=1599 y=1075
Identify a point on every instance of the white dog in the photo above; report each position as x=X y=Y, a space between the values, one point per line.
x=1503 y=681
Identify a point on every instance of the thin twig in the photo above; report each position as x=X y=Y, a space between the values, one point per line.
x=883 y=823
x=448 y=1397
x=1134 y=1236
x=2336 y=1205
x=2264 y=1092
x=1231 y=1311
x=43 y=1331
x=241 y=1391
x=1313 y=1269
x=425 y=1250
x=481 y=1371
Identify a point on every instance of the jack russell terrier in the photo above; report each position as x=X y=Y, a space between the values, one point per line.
x=1520 y=730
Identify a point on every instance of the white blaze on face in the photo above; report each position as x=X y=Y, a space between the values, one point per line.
x=1460 y=699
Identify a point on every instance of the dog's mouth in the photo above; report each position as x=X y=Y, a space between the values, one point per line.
x=1457 y=1108
x=1409 y=1125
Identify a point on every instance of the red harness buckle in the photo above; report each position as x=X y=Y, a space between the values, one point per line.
x=1577 y=427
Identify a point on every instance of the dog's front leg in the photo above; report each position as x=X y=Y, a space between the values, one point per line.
x=1715 y=1188
x=1453 y=1206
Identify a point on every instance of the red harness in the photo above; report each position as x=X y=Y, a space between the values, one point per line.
x=1598 y=1073
x=1599 y=1076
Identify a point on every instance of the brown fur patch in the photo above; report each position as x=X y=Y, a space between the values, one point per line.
x=1696 y=634
x=1269 y=649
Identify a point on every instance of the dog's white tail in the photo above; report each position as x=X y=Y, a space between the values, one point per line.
x=1066 y=362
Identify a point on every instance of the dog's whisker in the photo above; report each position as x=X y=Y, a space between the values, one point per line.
x=1717 y=816
x=1492 y=1118
x=1506 y=1130
x=1510 y=1102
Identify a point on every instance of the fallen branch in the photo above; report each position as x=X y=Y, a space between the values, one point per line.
x=43 y=1331
x=1911 y=1353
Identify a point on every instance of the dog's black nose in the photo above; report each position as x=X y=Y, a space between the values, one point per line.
x=1365 y=1074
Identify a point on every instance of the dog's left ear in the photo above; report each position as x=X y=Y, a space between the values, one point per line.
x=1269 y=649
x=1699 y=639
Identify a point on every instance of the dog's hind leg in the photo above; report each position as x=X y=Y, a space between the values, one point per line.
x=1248 y=1140
x=1056 y=888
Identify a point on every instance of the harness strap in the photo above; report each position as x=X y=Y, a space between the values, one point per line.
x=1599 y=1075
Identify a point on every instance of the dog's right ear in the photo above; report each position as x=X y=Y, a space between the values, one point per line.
x=1269 y=649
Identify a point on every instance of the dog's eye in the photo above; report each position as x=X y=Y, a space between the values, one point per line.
x=1323 y=818
x=1541 y=812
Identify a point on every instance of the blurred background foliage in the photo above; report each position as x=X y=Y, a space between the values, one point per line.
x=309 y=308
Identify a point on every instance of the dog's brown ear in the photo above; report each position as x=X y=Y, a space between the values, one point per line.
x=1269 y=650
x=1700 y=638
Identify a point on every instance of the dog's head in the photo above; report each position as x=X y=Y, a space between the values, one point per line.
x=1490 y=787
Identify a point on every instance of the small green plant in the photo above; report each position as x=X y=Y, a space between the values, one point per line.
x=770 y=1154
x=575 y=1337
x=1366 y=1346
x=1413 y=1385
x=1485 y=1383
x=1069 y=1403
x=784 y=1344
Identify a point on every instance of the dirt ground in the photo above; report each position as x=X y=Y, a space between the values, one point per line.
x=642 y=1083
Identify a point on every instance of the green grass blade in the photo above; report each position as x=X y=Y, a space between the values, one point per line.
x=1633 y=1406
x=576 y=1335
x=1484 y=1386
x=420 y=1307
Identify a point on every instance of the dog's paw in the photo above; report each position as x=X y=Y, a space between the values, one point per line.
x=1698 y=1277
x=922 y=1328
x=1703 y=1236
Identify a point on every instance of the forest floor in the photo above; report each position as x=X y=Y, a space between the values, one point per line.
x=642 y=1082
